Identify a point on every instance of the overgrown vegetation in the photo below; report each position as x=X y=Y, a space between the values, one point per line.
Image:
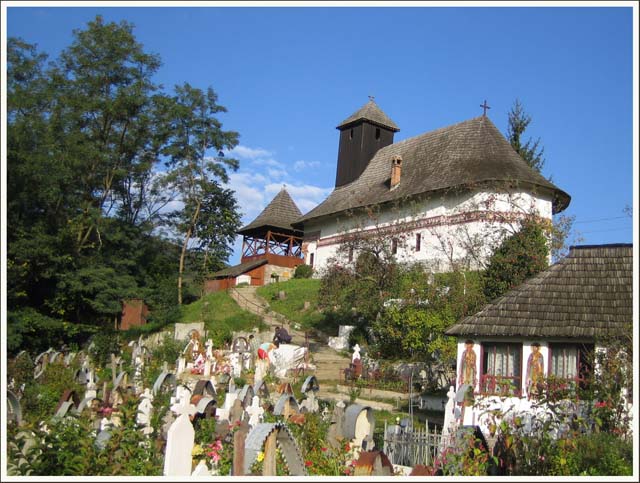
x=86 y=134
x=297 y=291
x=221 y=316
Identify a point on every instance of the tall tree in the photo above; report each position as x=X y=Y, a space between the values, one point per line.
x=194 y=133
x=530 y=151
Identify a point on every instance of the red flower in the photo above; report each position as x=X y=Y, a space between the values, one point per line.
x=323 y=449
x=347 y=447
x=308 y=463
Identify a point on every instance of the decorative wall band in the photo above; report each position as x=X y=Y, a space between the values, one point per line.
x=406 y=227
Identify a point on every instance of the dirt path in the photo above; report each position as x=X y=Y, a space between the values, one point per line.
x=328 y=362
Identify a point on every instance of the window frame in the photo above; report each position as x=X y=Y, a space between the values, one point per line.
x=491 y=380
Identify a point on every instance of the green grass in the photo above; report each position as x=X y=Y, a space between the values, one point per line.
x=221 y=316
x=298 y=291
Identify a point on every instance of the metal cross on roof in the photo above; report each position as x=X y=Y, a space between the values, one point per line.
x=485 y=107
x=371 y=98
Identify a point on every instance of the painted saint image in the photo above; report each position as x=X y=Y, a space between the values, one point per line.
x=535 y=370
x=467 y=373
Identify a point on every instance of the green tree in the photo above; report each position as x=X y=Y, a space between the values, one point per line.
x=195 y=131
x=519 y=257
x=530 y=151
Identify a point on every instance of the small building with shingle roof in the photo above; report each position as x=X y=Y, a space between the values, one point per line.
x=541 y=338
x=555 y=320
x=462 y=182
x=271 y=248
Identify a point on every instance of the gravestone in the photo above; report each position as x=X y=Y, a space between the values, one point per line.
x=334 y=435
x=145 y=409
x=201 y=469
x=236 y=364
x=373 y=463
x=181 y=365
x=204 y=388
x=310 y=384
x=286 y=406
x=359 y=425
x=266 y=438
x=14 y=410
x=236 y=413
x=206 y=370
x=309 y=404
x=180 y=439
x=239 y=438
x=262 y=368
x=246 y=395
x=255 y=412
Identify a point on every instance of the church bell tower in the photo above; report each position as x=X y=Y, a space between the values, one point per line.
x=361 y=135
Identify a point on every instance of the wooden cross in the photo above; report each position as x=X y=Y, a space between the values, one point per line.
x=485 y=107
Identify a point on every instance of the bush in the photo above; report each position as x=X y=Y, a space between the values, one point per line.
x=599 y=454
x=104 y=344
x=303 y=271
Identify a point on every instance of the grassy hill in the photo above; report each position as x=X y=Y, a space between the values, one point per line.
x=298 y=291
x=221 y=315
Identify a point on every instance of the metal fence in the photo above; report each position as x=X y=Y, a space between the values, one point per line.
x=411 y=446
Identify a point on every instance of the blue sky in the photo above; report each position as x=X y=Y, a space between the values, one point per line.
x=289 y=76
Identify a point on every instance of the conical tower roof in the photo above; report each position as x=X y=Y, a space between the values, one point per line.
x=372 y=113
x=280 y=213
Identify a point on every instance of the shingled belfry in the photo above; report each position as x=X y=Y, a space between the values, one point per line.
x=271 y=247
x=426 y=189
x=361 y=135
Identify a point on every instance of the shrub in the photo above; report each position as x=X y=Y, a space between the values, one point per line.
x=303 y=271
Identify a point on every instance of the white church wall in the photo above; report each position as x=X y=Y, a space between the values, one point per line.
x=447 y=226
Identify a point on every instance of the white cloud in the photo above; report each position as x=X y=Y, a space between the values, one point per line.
x=301 y=165
x=245 y=152
x=268 y=162
x=277 y=173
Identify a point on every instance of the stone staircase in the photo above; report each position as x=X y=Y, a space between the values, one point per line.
x=328 y=362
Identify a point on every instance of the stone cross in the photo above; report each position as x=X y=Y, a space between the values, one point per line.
x=181 y=365
x=145 y=408
x=114 y=369
x=206 y=370
x=255 y=412
x=180 y=439
x=310 y=403
x=209 y=346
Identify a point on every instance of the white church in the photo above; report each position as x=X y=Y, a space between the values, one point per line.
x=445 y=198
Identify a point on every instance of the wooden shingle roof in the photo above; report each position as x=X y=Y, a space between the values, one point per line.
x=237 y=270
x=280 y=213
x=466 y=154
x=585 y=295
x=372 y=113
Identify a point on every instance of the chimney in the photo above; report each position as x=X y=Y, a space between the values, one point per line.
x=396 y=170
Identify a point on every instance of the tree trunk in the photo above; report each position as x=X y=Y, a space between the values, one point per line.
x=183 y=253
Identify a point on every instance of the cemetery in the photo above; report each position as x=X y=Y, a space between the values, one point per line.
x=214 y=411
